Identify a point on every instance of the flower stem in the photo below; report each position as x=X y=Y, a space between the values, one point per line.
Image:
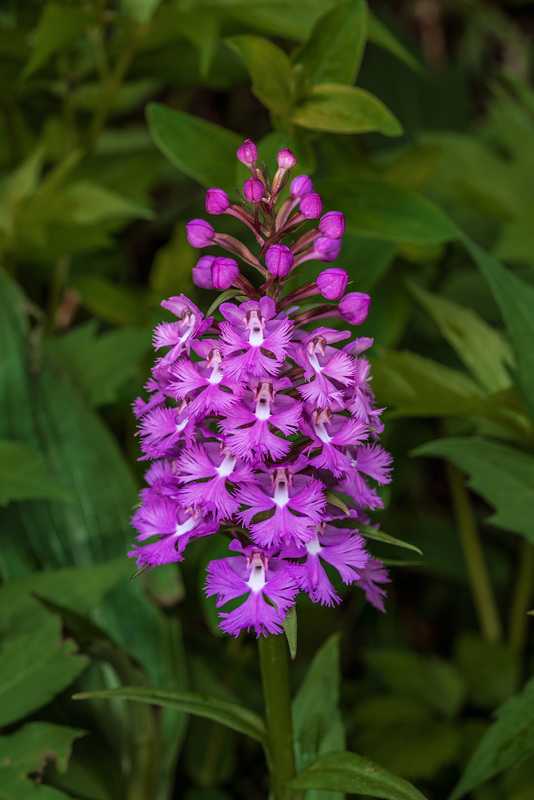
x=274 y=665
x=522 y=598
x=483 y=596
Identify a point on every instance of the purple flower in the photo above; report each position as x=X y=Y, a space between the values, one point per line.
x=224 y=272
x=248 y=153
x=332 y=225
x=199 y=233
x=311 y=206
x=354 y=307
x=301 y=186
x=332 y=283
x=260 y=577
x=286 y=159
x=217 y=201
x=202 y=272
x=279 y=260
x=254 y=424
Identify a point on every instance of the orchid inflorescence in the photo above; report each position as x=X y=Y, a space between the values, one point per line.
x=261 y=425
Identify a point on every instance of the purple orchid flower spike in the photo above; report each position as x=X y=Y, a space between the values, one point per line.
x=260 y=422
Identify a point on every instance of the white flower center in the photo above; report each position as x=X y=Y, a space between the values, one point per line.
x=227 y=466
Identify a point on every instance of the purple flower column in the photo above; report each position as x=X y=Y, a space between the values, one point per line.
x=259 y=418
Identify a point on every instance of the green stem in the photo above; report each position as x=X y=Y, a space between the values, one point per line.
x=274 y=665
x=483 y=596
x=522 y=598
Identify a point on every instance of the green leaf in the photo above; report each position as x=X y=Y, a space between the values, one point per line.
x=334 y=50
x=515 y=299
x=100 y=364
x=289 y=624
x=317 y=723
x=510 y=738
x=348 y=772
x=382 y=211
x=34 y=667
x=112 y=302
x=434 y=681
x=171 y=271
x=292 y=19
x=490 y=669
x=140 y=10
x=337 y=108
x=28 y=749
x=18 y=787
x=503 y=476
x=414 y=167
x=403 y=734
x=482 y=349
x=24 y=476
x=236 y=717
x=365 y=259
x=270 y=70
x=87 y=204
x=382 y=36
x=58 y=26
x=419 y=387
x=21 y=183
x=380 y=536
x=200 y=149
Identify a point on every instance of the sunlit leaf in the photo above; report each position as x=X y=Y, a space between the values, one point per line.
x=337 y=108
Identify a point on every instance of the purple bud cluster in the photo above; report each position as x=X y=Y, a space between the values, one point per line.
x=258 y=427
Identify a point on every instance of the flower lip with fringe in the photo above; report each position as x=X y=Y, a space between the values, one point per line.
x=271 y=428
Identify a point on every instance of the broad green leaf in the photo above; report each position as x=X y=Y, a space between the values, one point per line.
x=334 y=50
x=434 y=681
x=24 y=476
x=515 y=299
x=337 y=108
x=413 y=386
x=381 y=536
x=29 y=747
x=382 y=36
x=516 y=242
x=289 y=624
x=482 y=349
x=18 y=787
x=348 y=772
x=270 y=70
x=236 y=717
x=200 y=149
x=100 y=364
x=89 y=203
x=317 y=723
x=510 y=738
x=382 y=211
x=293 y=19
x=58 y=27
x=490 y=669
x=21 y=183
x=414 y=167
x=503 y=476
x=35 y=666
x=404 y=734
x=139 y=10
x=113 y=303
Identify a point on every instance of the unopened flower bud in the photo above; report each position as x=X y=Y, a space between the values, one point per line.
x=327 y=249
x=354 y=307
x=332 y=283
x=247 y=153
x=332 y=224
x=311 y=206
x=253 y=190
x=202 y=273
x=301 y=186
x=199 y=233
x=224 y=272
x=217 y=201
x=286 y=159
x=279 y=260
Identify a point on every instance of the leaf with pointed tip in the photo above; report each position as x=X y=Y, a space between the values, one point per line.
x=502 y=475
x=289 y=625
x=382 y=536
x=270 y=70
x=337 y=108
x=348 y=772
x=236 y=717
x=334 y=50
x=382 y=36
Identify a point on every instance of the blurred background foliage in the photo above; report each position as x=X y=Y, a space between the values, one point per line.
x=416 y=119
